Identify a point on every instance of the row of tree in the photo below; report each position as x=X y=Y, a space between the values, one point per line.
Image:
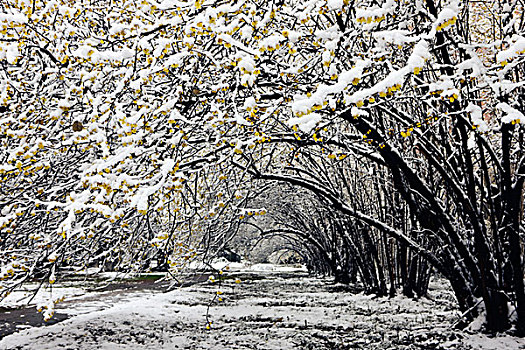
x=132 y=131
x=335 y=244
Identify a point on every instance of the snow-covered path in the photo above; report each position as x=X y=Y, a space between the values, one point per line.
x=265 y=311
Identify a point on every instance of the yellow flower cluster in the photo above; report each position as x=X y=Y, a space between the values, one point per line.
x=407 y=132
x=451 y=98
x=375 y=19
x=389 y=91
x=252 y=213
x=446 y=23
x=339 y=156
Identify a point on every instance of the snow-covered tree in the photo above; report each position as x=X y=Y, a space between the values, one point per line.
x=107 y=156
x=416 y=87
x=127 y=124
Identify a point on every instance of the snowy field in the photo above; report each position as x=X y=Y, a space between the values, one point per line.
x=269 y=309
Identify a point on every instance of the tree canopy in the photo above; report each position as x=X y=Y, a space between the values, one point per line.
x=133 y=129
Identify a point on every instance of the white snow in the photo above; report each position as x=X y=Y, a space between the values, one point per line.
x=396 y=37
x=334 y=4
x=375 y=13
x=476 y=116
x=272 y=41
x=14 y=17
x=249 y=103
x=305 y=123
x=446 y=16
x=510 y=114
x=22 y=296
x=279 y=311
x=10 y=52
x=303 y=104
x=515 y=49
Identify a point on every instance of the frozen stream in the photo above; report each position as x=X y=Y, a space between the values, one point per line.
x=268 y=310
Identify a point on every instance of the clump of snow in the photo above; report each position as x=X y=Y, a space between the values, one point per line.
x=419 y=55
x=334 y=4
x=440 y=86
x=375 y=14
x=326 y=57
x=176 y=59
x=13 y=17
x=306 y=123
x=292 y=35
x=395 y=36
x=447 y=16
x=516 y=48
x=510 y=115
x=394 y=80
x=246 y=64
x=249 y=103
x=476 y=116
x=92 y=53
x=265 y=267
x=356 y=112
x=271 y=42
x=10 y=53
x=303 y=104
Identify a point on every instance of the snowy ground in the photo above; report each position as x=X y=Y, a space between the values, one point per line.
x=269 y=310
